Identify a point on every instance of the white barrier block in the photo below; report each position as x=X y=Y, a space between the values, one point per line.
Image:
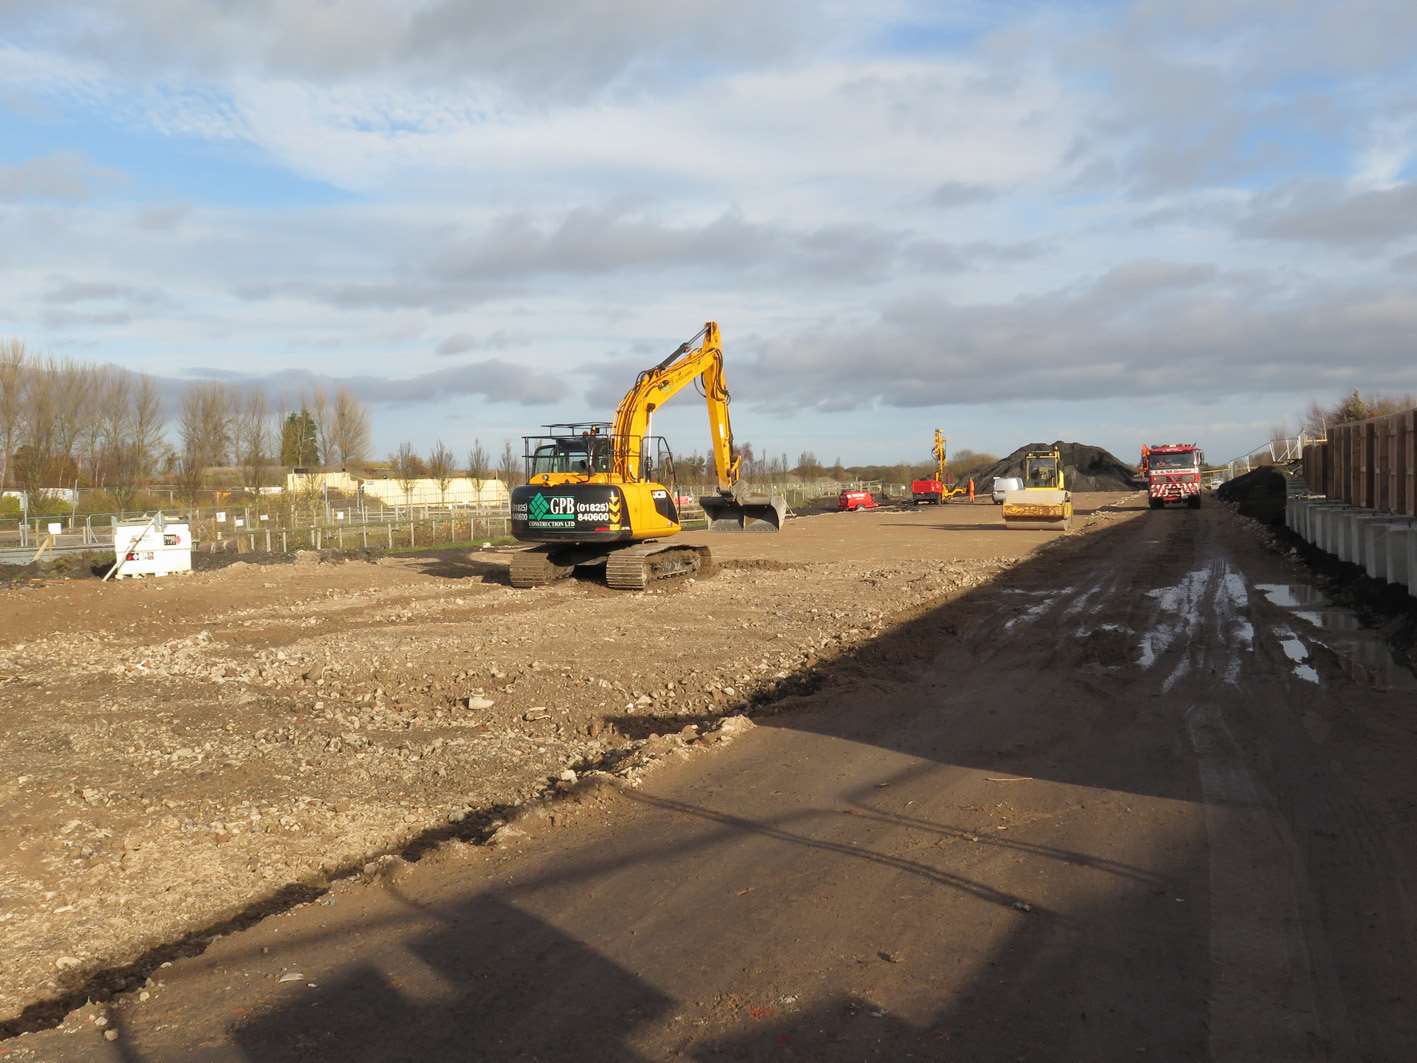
x=1375 y=546
x=1329 y=521
x=1398 y=536
x=1353 y=535
x=1412 y=564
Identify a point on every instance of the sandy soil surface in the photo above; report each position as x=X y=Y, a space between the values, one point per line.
x=185 y=756
x=1145 y=795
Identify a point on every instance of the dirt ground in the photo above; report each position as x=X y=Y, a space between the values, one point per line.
x=185 y=756
x=1145 y=794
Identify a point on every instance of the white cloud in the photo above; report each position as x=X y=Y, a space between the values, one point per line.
x=1046 y=204
x=64 y=176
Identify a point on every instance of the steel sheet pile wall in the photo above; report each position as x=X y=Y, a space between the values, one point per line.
x=1363 y=506
x=1372 y=464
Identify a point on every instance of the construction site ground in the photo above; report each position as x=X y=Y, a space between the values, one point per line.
x=1135 y=792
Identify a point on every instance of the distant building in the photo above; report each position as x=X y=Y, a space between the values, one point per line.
x=423 y=491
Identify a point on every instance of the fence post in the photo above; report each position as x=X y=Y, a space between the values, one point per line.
x=284 y=548
x=390 y=527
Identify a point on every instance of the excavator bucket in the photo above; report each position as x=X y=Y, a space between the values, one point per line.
x=748 y=513
x=1038 y=509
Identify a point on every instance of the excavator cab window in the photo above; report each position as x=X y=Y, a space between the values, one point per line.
x=665 y=463
x=602 y=454
x=560 y=455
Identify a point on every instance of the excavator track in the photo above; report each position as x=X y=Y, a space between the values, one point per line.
x=534 y=568
x=636 y=567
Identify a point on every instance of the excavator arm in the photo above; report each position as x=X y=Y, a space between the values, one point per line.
x=733 y=508
x=656 y=386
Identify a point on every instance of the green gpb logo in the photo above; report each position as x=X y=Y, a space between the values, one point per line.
x=537 y=507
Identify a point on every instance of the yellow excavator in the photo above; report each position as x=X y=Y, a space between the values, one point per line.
x=601 y=493
x=1044 y=500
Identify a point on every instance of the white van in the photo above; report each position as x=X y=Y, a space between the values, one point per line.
x=1003 y=485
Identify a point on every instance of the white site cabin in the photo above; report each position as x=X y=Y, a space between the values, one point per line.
x=153 y=546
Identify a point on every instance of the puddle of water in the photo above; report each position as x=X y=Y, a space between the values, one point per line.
x=1297 y=653
x=1363 y=656
x=1330 y=619
x=1291 y=595
x=1367 y=660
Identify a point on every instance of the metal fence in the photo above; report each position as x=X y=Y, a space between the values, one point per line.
x=282 y=524
x=1275 y=452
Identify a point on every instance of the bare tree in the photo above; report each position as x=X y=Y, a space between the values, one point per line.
x=37 y=434
x=12 y=364
x=73 y=384
x=147 y=442
x=252 y=437
x=479 y=465
x=90 y=435
x=440 y=468
x=112 y=424
x=134 y=450
x=204 y=427
x=351 y=429
x=324 y=422
x=509 y=469
x=406 y=465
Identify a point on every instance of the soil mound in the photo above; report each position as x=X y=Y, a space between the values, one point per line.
x=1259 y=494
x=1085 y=468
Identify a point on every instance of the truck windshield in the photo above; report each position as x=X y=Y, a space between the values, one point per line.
x=1174 y=461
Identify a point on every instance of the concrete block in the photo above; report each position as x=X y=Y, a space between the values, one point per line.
x=1352 y=546
x=1326 y=526
x=1318 y=522
x=1349 y=543
x=1375 y=553
x=1307 y=516
x=1412 y=565
x=1333 y=525
x=1398 y=536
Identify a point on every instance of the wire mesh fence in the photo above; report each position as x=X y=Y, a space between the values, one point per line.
x=286 y=523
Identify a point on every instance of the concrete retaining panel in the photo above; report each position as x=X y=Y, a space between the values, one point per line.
x=1375 y=552
x=1398 y=569
x=1353 y=534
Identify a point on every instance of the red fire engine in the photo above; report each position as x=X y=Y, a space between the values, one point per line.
x=1173 y=473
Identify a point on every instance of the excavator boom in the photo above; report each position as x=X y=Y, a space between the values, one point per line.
x=700 y=358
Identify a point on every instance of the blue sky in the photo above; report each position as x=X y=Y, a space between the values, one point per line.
x=1107 y=222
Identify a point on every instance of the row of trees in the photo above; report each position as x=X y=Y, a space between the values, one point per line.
x=65 y=423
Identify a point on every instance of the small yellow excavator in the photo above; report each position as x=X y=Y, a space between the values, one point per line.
x=602 y=493
x=1043 y=501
